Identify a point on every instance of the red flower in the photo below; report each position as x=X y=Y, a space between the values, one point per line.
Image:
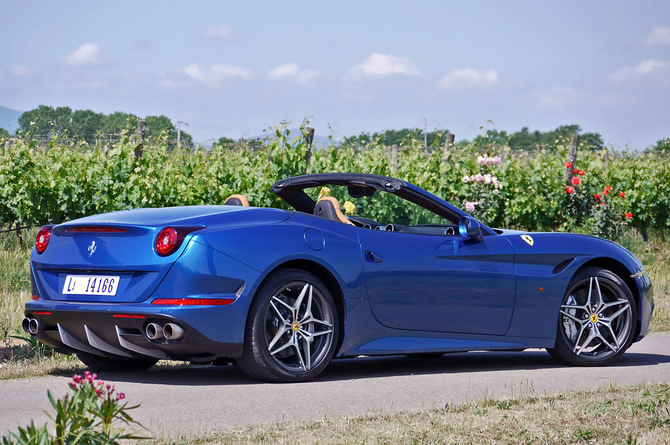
x=622 y=194
x=604 y=192
x=629 y=215
x=597 y=196
x=582 y=172
x=568 y=164
x=608 y=188
x=602 y=204
x=575 y=171
x=569 y=189
x=575 y=181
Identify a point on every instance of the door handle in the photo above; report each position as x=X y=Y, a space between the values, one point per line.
x=373 y=257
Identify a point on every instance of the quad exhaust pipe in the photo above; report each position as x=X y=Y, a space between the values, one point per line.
x=30 y=325
x=154 y=331
x=172 y=331
x=168 y=331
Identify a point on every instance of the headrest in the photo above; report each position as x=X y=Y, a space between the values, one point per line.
x=329 y=208
x=237 y=200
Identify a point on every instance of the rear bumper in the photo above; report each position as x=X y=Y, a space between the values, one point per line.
x=111 y=333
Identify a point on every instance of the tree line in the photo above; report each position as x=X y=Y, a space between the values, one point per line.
x=45 y=121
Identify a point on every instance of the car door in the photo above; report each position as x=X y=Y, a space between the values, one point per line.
x=439 y=282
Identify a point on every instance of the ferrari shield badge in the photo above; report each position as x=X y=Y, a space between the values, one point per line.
x=528 y=239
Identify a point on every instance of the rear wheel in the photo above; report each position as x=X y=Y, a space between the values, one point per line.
x=597 y=319
x=106 y=364
x=292 y=330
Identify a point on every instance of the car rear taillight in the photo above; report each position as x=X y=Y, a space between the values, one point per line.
x=166 y=241
x=170 y=238
x=43 y=237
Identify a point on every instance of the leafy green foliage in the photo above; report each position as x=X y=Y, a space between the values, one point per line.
x=524 y=190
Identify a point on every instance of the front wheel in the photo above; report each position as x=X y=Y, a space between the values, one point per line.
x=292 y=330
x=596 y=321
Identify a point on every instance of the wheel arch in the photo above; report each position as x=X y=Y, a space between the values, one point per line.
x=325 y=275
x=620 y=270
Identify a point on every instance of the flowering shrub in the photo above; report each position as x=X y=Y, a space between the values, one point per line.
x=84 y=416
x=484 y=188
x=601 y=213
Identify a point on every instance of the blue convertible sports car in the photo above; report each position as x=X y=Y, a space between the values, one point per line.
x=282 y=292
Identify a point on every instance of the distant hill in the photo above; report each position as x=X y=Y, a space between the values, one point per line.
x=9 y=119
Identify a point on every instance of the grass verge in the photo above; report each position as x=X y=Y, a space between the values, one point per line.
x=611 y=414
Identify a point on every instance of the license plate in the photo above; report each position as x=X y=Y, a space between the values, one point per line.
x=90 y=285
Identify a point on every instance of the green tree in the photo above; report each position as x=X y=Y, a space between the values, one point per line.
x=661 y=145
x=86 y=124
x=224 y=141
x=4 y=133
x=118 y=121
x=45 y=120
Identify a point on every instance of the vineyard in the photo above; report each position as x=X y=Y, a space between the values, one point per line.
x=63 y=180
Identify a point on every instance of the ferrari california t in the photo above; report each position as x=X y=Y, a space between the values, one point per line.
x=283 y=292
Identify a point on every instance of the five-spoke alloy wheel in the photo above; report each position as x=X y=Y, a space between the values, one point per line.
x=597 y=319
x=292 y=330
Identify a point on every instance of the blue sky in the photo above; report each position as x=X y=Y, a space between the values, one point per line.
x=235 y=68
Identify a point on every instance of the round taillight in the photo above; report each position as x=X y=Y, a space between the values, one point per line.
x=42 y=240
x=166 y=241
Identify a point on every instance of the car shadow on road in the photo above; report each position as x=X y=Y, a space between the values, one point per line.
x=376 y=367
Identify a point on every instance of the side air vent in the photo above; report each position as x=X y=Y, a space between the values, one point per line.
x=562 y=266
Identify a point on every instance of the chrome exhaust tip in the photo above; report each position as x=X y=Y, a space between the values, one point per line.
x=25 y=324
x=154 y=331
x=33 y=325
x=172 y=331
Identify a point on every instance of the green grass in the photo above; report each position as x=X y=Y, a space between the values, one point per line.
x=611 y=414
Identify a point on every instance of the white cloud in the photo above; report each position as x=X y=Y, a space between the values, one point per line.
x=213 y=75
x=659 y=36
x=384 y=65
x=292 y=72
x=641 y=70
x=87 y=54
x=222 y=33
x=468 y=78
x=558 y=98
x=22 y=71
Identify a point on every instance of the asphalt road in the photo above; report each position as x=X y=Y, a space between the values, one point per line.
x=191 y=400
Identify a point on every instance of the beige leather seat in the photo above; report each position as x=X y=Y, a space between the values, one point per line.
x=237 y=200
x=329 y=208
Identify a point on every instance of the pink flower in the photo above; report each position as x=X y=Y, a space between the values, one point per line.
x=121 y=396
x=469 y=206
x=466 y=178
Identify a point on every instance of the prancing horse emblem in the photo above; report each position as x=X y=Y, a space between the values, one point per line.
x=91 y=249
x=528 y=239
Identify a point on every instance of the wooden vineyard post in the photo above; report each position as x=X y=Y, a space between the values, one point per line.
x=141 y=131
x=448 y=146
x=572 y=158
x=394 y=158
x=309 y=139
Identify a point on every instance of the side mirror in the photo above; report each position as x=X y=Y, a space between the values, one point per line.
x=469 y=228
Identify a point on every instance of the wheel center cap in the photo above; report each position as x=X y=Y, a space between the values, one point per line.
x=593 y=318
x=296 y=326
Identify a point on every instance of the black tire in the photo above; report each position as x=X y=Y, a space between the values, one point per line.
x=98 y=363
x=292 y=329
x=596 y=321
